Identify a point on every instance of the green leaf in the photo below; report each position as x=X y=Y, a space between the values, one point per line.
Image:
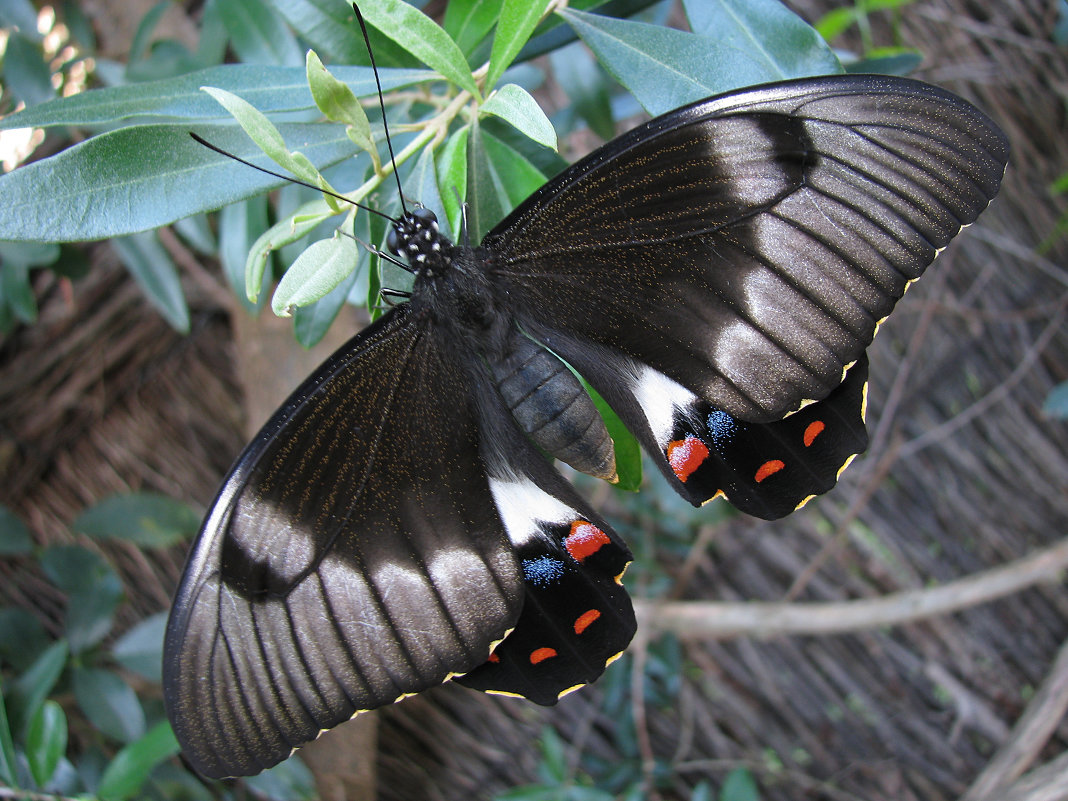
x=26 y=73
x=586 y=86
x=32 y=688
x=898 y=61
x=73 y=568
x=468 y=21
x=311 y=322
x=22 y=637
x=109 y=703
x=93 y=589
x=317 y=271
x=499 y=178
x=257 y=34
x=836 y=22
x=739 y=786
x=1056 y=404
x=517 y=21
x=422 y=37
x=452 y=178
x=15 y=538
x=554 y=761
x=127 y=772
x=283 y=232
x=263 y=132
x=152 y=268
x=196 y=232
x=112 y=184
x=287 y=781
x=16 y=292
x=628 y=451
x=270 y=89
x=144 y=518
x=29 y=254
x=141 y=647
x=339 y=104
x=140 y=45
x=329 y=27
x=20 y=15
x=90 y=614
x=46 y=741
x=239 y=225
x=665 y=68
x=782 y=43
x=8 y=767
x=516 y=106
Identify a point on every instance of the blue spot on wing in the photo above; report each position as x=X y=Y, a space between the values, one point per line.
x=543 y=571
x=721 y=426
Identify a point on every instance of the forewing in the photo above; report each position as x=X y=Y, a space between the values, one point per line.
x=354 y=555
x=748 y=246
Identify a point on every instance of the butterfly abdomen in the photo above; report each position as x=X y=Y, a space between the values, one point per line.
x=552 y=407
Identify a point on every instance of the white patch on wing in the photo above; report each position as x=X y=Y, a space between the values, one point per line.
x=522 y=504
x=660 y=398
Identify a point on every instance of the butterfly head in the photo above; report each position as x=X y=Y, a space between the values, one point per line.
x=417 y=238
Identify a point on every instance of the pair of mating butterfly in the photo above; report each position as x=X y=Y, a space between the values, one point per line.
x=396 y=523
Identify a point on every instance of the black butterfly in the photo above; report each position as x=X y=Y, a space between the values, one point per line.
x=715 y=274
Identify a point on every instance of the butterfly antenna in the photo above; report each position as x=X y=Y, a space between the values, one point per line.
x=381 y=103
x=201 y=141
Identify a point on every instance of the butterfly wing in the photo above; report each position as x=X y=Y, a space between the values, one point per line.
x=747 y=246
x=356 y=554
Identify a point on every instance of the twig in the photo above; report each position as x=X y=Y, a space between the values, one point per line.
x=1029 y=736
x=995 y=396
x=1047 y=783
x=700 y=620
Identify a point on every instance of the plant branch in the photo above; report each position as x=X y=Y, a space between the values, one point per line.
x=698 y=620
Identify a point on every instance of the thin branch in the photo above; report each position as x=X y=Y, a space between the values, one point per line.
x=700 y=620
x=1029 y=736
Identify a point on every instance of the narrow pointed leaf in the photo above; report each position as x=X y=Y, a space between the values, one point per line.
x=665 y=68
x=46 y=741
x=422 y=37
x=151 y=266
x=517 y=21
x=468 y=21
x=269 y=89
x=784 y=43
x=318 y=270
x=116 y=183
x=257 y=34
x=109 y=702
x=516 y=106
x=127 y=772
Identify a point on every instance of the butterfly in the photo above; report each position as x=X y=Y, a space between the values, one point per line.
x=715 y=274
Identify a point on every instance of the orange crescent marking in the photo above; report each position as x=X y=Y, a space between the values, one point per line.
x=585 y=619
x=768 y=468
x=815 y=428
x=584 y=540
x=686 y=455
x=541 y=654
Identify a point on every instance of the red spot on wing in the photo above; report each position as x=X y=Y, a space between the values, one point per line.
x=768 y=468
x=585 y=619
x=584 y=540
x=541 y=654
x=493 y=657
x=686 y=455
x=814 y=429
